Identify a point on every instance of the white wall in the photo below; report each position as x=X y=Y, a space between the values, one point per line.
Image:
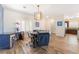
x=41 y=25
x=29 y=24
x=73 y=24
x=51 y=25
x=1 y=19
x=46 y=24
x=10 y=18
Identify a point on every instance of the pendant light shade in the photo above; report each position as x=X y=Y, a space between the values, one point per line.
x=38 y=14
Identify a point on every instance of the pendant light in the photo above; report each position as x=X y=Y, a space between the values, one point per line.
x=38 y=14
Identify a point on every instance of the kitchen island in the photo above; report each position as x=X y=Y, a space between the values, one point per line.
x=7 y=40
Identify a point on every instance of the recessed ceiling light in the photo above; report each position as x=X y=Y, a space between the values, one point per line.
x=24 y=6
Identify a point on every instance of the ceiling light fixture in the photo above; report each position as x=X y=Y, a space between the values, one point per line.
x=24 y=6
x=38 y=14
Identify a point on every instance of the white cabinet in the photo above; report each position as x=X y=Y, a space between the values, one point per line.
x=12 y=39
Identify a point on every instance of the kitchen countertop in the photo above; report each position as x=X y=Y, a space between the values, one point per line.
x=7 y=33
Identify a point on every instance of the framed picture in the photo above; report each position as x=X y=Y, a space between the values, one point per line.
x=59 y=23
x=37 y=24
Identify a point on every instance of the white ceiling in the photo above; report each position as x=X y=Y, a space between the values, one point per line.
x=49 y=10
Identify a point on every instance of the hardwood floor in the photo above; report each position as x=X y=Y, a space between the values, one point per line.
x=57 y=45
x=68 y=44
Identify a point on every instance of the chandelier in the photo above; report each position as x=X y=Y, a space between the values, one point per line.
x=38 y=14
